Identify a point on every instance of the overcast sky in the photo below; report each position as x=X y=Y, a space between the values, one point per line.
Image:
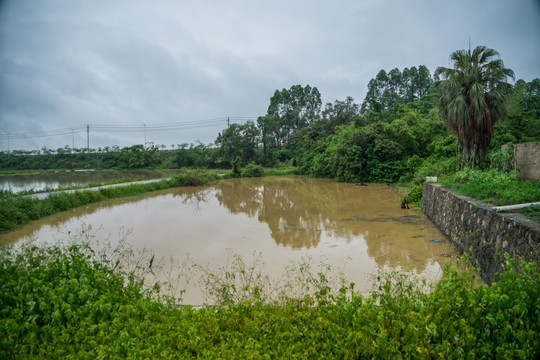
x=68 y=63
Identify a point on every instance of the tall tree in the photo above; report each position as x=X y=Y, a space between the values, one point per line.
x=339 y=113
x=238 y=140
x=531 y=98
x=388 y=90
x=289 y=111
x=473 y=96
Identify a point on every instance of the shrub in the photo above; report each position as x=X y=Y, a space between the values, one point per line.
x=192 y=178
x=253 y=170
x=236 y=166
x=58 y=302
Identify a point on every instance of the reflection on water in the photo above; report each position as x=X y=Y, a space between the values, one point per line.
x=303 y=212
x=356 y=228
x=40 y=182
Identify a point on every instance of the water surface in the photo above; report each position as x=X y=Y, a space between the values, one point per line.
x=357 y=229
x=62 y=179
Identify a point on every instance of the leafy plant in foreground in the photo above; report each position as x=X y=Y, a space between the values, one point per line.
x=68 y=301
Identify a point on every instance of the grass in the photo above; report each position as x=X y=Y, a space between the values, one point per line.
x=497 y=188
x=71 y=301
x=532 y=212
x=493 y=187
x=18 y=210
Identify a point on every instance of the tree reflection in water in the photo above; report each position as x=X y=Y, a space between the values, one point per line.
x=300 y=212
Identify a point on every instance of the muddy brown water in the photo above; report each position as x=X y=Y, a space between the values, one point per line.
x=62 y=179
x=353 y=229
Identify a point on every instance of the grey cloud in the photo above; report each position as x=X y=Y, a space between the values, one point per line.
x=123 y=62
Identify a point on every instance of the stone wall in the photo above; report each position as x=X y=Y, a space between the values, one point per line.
x=474 y=228
x=528 y=161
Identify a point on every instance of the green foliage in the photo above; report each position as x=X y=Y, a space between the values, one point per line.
x=193 y=178
x=440 y=163
x=67 y=302
x=370 y=153
x=487 y=320
x=61 y=302
x=414 y=194
x=443 y=147
x=238 y=140
x=523 y=121
x=337 y=114
x=236 y=167
x=493 y=186
x=390 y=89
x=133 y=157
x=290 y=111
x=431 y=166
x=253 y=170
x=532 y=212
x=16 y=210
x=502 y=159
x=473 y=98
x=375 y=151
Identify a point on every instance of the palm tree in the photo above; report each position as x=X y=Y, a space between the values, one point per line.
x=473 y=97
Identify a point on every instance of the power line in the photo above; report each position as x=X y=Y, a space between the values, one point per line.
x=127 y=128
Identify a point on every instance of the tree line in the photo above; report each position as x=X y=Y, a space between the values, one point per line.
x=457 y=117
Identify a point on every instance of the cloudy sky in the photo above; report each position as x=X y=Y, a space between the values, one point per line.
x=123 y=66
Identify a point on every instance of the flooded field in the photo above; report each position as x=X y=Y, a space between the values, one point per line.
x=351 y=229
x=49 y=181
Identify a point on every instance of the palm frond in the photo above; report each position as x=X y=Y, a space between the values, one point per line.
x=473 y=95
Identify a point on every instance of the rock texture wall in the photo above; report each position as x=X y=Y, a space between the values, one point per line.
x=473 y=227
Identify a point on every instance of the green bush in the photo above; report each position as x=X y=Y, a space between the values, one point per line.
x=253 y=170
x=66 y=302
x=414 y=194
x=192 y=178
x=419 y=169
x=236 y=166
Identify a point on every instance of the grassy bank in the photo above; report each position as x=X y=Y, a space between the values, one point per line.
x=69 y=302
x=493 y=187
x=18 y=210
x=497 y=188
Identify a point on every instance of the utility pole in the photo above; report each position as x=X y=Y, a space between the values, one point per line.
x=144 y=135
x=72 y=138
x=228 y=125
x=88 y=138
x=7 y=141
x=9 y=158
